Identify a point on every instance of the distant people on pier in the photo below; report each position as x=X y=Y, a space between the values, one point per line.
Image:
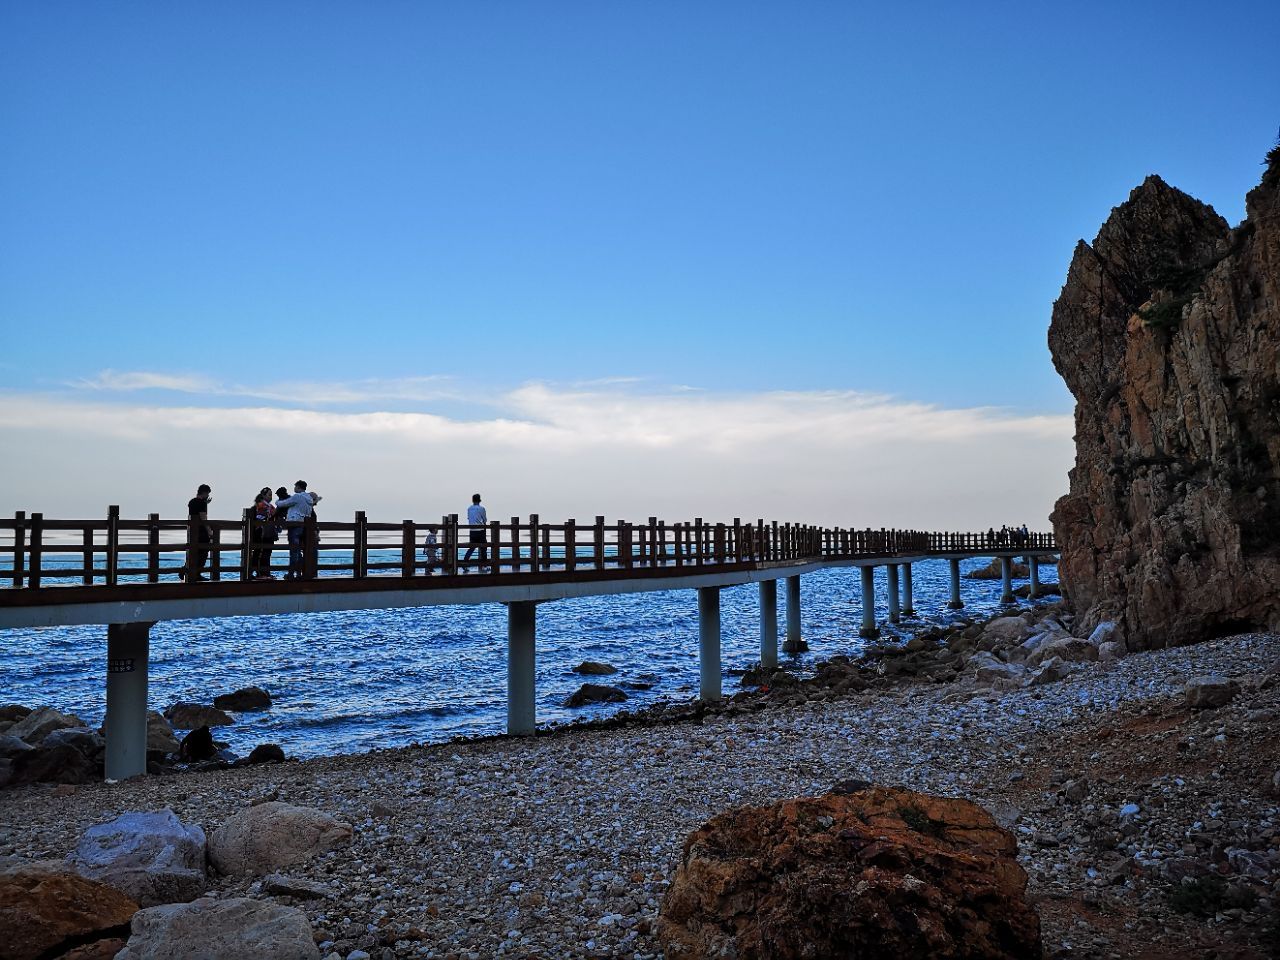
x=477 y=517
x=265 y=533
x=300 y=506
x=431 y=549
x=199 y=536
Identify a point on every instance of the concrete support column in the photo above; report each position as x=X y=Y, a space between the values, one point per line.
x=895 y=612
x=955 y=603
x=769 y=624
x=522 y=625
x=908 y=604
x=709 y=643
x=128 y=656
x=1033 y=564
x=1006 y=579
x=868 y=631
x=794 y=643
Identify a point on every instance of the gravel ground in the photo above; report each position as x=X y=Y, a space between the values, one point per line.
x=562 y=845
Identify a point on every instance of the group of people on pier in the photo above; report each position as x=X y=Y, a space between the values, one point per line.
x=1006 y=536
x=289 y=514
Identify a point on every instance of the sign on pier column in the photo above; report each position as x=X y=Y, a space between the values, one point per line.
x=709 y=643
x=1006 y=579
x=908 y=604
x=868 y=631
x=522 y=619
x=956 y=603
x=128 y=656
x=794 y=642
x=895 y=612
x=769 y=624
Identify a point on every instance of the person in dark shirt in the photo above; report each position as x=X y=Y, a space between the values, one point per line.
x=198 y=534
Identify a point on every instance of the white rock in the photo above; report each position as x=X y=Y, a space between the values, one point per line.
x=210 y=929
x=153 y=857
x=272 y=835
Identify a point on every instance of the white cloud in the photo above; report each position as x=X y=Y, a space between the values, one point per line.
x=617 y=449
x=305 y=393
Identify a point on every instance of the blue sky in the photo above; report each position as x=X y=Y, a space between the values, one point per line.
x=424 y=207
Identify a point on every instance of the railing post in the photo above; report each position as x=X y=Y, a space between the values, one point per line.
x=677 y=535
x=37 y=550
x=360 y=546
x=215 y=553
x=495 y=540
x=534 y=556
x=113 y=544
x=310 y=548
x=737 y=540
x=719 y=545
x=515 y=544
x=571 y=545
x=19 y=547
x=624 y=545
x=449 y=526
x=408 y=548
x=86 y=554
x=246 y=545
x=599 y=543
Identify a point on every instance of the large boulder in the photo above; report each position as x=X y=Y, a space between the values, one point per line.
x=231 y=929
x=91 y=744
x=595 y=693
x=43 y=914
x=161 y=740
x=13 y=712
x=153 y=857
x=246 y=699
x=595 y=668
x=990 y=669
x=269 y=836
x=10 y=747
x=1167 y=332
x=1070 y=649
x=1202 y=693
x=1006 y=630
x=60 y=763
x=880 y=872
x=38 y=724
x=188 y=716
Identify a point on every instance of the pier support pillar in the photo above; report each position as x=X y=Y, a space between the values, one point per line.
x=895 y=612
x=709 y=643
x=868 y=631
x=128 y=656
x=1033 y=565
x=769 y=624
x=908 y=604
x=794 y=643
x=1006 y=580
x=522 y=620
x=955 y=603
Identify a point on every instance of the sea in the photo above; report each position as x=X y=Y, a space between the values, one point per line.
x=361 y=680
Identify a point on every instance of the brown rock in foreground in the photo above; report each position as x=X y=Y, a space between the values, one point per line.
x=1168 y=334
x=43 y=913
x=881 y=872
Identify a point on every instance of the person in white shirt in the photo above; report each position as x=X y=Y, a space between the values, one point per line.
x=299 y=506
x=477 y=517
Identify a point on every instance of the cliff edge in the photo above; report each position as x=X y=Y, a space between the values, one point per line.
x=1167 y=332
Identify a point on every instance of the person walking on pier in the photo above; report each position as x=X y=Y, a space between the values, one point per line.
x=198 y=534
x=477 y=517
x=300 y=508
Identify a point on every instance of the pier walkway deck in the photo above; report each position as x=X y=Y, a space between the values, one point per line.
x=125 y=574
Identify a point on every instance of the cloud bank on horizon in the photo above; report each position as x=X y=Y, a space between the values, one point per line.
x=621 y=448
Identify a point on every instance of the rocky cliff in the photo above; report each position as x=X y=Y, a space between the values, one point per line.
x=1168 y=334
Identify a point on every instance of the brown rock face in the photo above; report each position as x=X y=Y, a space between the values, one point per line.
x=1168 y=334
x=878 y=873
x=42 y=913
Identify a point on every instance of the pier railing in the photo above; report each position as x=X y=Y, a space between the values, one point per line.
x=36 y=551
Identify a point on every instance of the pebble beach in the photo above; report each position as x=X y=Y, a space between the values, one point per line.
x=562 y=845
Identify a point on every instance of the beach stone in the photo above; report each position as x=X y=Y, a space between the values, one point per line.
x=161 y=740
x=265 y=753
x=61 y=763
x=10 y=746
x=43 y=913
x=1209 y=691
x=13 y=712
x=594 y=668
x=38 y=724
x=988 y=668
x=153 y=857
x=279 y=885
x=88 y=742
x=266 y=837
x=1275 y=784
x=1051 y=671
x=1110 y=651
x=1006 y=630
x=230 y=929
x=188 y=716
x=247 y=699
x=1105 y=632
x=595 y=693
x=884 y=872
x=1069 y=649
x=98 y=950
